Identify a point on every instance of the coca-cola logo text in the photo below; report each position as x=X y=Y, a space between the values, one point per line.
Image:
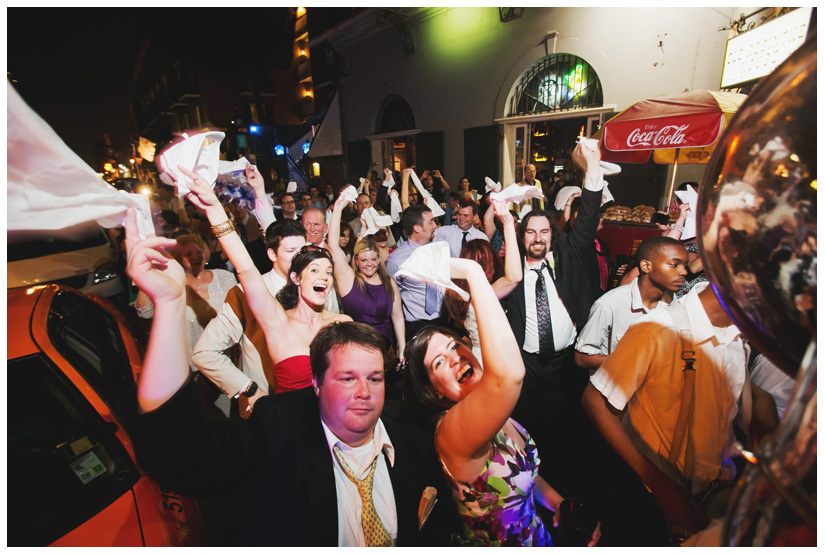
x=670 y=135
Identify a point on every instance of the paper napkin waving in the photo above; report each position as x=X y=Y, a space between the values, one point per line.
x=49 y=187
x=431 y=203
x=517 y=193
x=199 y=153
x=431 y=264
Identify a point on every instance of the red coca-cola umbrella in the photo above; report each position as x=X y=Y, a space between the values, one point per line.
x=677 y=128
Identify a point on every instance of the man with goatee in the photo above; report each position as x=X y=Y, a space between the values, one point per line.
x=545 y=311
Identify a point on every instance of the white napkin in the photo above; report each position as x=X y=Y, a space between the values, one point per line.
x=691 y=197
x=198 y=153
x=349 y=193
x=389 y=183
x=395 y=208
x=361 y=186
x=608 y=168
x=564 y=195
x=291 y=187
x=375 y=221
x=238 y=165
x=517 y=193
x=492 y=185
x=431 y=264
x=49 y=187
x=607 y=196
x=431 y=203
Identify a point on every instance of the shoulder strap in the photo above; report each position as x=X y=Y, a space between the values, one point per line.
x=679 y=314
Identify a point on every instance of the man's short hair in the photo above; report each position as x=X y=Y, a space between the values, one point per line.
x=283 y=195
x=413 y=216
x=312 y=209
x=454 y=196
x=649 y=248
x=339 y=334
x=283 y=228
x=464 y=203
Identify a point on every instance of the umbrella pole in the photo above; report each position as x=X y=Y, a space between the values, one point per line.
x=672 y=181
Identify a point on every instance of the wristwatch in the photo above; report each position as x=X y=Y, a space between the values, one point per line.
x=249 y=391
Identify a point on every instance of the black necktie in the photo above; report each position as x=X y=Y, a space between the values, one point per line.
x=546 y=344
x=464 y=239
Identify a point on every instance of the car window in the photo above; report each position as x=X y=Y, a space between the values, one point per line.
x=89 y=338
x=64 y=462
x=44 y=246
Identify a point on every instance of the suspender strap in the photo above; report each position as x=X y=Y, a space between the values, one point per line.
x=677 y=311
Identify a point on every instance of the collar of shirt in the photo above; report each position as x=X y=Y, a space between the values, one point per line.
x=701 y=327
x=551 y=263
x=636 y=303
x=380 y=442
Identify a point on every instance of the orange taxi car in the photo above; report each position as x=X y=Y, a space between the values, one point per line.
x=72 y=477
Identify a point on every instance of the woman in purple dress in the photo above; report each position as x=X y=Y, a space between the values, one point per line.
x=368 y=293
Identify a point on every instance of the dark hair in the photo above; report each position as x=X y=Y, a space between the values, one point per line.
x=454 y=196
x=339 y=334
x=482 y=252
x=381 y=235
x=522 y=227
x=281 y=229
x=649 y=248
x=413 y=216
x=288 y=295
x=283 y=195
x=467 y=202
x=352 y=237
x=420 y=400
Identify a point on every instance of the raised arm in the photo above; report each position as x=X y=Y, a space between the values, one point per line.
x=166 y=364
x=269 y=312
x=444 y=185
x=504 y=285
x=344 y=275
x=464 y=448
x=397 y=317
x=263 y=207
x=489 y=221
x=405 y=188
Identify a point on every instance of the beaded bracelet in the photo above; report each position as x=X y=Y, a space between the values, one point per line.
x=224 y=228
x=677 y=227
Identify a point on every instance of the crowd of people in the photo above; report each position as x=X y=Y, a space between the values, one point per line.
x=548 y=389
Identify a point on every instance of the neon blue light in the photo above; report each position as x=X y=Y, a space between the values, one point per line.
x=305 y=148
x=279 y=150
x=254 y=129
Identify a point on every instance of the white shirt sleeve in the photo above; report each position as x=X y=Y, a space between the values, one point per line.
x=223 y=332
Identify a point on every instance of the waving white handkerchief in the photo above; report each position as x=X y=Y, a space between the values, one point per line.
x=418 y=185
x=395 y=208
x=691 y=197
x=375 y=221
x=564 y=195
x=238 y=165
x=608 y=168
x=349 y=194
x=199 y=153
x=493 y=186
x=291 y=187
x=389 y=183
x=517 y=193
x=607 y=196
x=361 y=186
x=49 y=187
x=434 y=207
x=431 y=264
x=524 y=211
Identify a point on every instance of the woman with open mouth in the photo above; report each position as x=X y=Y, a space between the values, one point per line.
x=489 y=460
x=368 y=293
x=291 y=322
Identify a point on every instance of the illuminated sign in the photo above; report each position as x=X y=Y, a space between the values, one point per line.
x=756 y=53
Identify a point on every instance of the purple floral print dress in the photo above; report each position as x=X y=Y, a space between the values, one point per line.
x=497 y=508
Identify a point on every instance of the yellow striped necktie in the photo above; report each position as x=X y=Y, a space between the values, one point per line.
x=375 y=535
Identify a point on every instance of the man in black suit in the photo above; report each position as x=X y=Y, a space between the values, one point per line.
x=293 y=465
x=545 y=310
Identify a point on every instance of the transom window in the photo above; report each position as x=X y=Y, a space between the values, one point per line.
x=555 y=83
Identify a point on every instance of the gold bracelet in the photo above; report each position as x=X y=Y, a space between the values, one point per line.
x=224 y=228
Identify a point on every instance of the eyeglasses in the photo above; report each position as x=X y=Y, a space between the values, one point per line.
x=287 y=202
x=313 y=248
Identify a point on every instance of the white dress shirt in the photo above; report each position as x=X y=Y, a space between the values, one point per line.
x=359 y=459
x=564 y=331
x=454 y=235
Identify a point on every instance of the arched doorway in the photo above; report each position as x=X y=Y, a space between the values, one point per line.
x=551 y=103
x=394 y=140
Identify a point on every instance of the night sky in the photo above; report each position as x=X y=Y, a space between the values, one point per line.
x=74 y=66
